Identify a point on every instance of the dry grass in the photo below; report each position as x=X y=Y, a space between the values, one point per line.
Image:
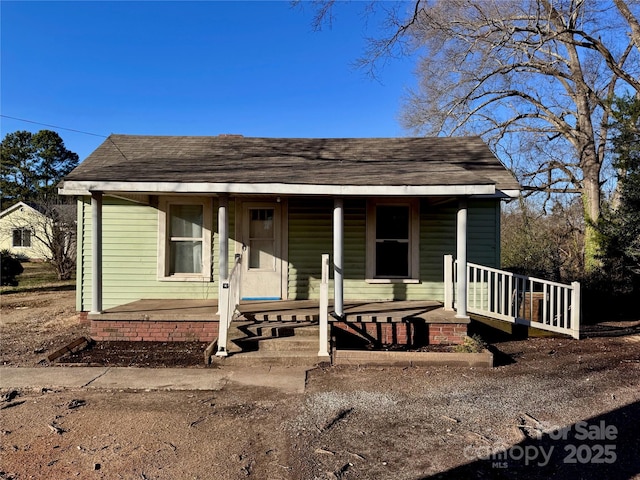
x=38 y=276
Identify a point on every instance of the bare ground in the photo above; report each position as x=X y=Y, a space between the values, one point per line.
x=351 y=423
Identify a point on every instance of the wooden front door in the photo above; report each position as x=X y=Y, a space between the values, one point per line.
x=262 y=244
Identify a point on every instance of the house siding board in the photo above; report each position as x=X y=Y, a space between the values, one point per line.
x=130 y=232
x=437 y=238
x=310 y=235
x=484 y=227
x=130 y=250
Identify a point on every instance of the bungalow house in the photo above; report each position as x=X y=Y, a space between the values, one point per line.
x=164 y=219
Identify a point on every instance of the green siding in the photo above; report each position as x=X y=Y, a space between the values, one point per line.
x=484 y=233
x=130 y=250
x=310 y=235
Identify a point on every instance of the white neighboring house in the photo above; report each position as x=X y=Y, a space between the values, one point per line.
x=21 y=226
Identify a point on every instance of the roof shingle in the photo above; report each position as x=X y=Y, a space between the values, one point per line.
x=312 y=161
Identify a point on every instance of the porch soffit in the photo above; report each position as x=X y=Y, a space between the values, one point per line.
x=155 y=188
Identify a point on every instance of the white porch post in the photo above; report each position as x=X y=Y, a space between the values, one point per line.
x=223 y=274
x=323 y=350
x=575 y=310
x=96 y=252
x=338 y=253
x=223 y=240
x=448 y=282
x=461 y=247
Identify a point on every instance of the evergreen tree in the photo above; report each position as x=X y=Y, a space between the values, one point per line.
x=32 y=164
x=620 y=225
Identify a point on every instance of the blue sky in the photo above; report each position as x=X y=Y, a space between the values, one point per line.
x=193 y=68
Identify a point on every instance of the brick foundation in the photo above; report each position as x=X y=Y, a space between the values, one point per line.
x=406 y=333
x=446 y=333
x=154 y=331
x=83 y=318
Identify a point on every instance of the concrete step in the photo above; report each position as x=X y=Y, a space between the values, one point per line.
x=283 y=359
x=278 y=329
x=235 y=333
x=289 y=344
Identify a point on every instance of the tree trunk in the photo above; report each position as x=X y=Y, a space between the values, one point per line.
x=591 y=202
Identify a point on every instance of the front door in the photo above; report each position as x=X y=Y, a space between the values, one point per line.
x=261 y=241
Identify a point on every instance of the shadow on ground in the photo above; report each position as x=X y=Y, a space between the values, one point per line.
x=606 y=446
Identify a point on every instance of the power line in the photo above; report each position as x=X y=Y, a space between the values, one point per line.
x=54 y=126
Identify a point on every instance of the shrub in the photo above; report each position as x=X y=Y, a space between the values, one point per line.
x=10 y=267
x=473 y=344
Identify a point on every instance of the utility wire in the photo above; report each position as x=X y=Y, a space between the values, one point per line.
x=54 y=126
x=68 y=129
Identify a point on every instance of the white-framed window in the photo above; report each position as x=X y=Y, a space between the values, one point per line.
x=393 y=235
x=22 y=237
x=184 y=239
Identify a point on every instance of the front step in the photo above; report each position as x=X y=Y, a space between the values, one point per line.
x=282 y=329
x=272 y=359
x=273 y=343
x=289 y=344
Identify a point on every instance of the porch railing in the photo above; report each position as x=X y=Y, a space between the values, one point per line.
x=323 y=350
x=517 y=298
x=228 y=303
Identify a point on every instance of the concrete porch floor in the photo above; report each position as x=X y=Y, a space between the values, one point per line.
x=282 y=310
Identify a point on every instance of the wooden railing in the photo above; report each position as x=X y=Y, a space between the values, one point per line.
x=228 y=303
x=517 y=298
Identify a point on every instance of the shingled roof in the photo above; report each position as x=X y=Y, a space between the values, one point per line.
x=234 y=160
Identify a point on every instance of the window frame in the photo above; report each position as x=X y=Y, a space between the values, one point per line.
x=21 y=230
x=413 y=240
x=164 y=239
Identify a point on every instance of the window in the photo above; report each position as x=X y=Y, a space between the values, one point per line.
x=392 y=241
x=22 y=237
x=185 y=240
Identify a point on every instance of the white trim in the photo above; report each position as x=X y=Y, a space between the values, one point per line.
x=414 y=240
x=461 y=254
x=17 y=206
x=163 y=252
x=338 y=256
x=284 y=246
x=281 y=264
x=84 y=187
x=393 y=280
x=96 y=253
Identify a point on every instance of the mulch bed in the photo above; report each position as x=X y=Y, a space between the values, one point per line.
x=139 y=354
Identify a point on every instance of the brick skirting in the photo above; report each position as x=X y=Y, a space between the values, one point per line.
x=399 y=333
x=83 y=318
x=154 y=331
x=407 y=333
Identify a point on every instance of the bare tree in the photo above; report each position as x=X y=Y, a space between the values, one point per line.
x=51 y=228
x=535 y=75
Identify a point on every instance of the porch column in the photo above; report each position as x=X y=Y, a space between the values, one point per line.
x=461 y=253
x=338 y=253
x=223 y=274
x=223 y=233
x=96 y=252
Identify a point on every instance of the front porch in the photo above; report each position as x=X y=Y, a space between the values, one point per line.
x=384 y=322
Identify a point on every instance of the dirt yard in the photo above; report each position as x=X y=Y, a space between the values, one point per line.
x=554 y=408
